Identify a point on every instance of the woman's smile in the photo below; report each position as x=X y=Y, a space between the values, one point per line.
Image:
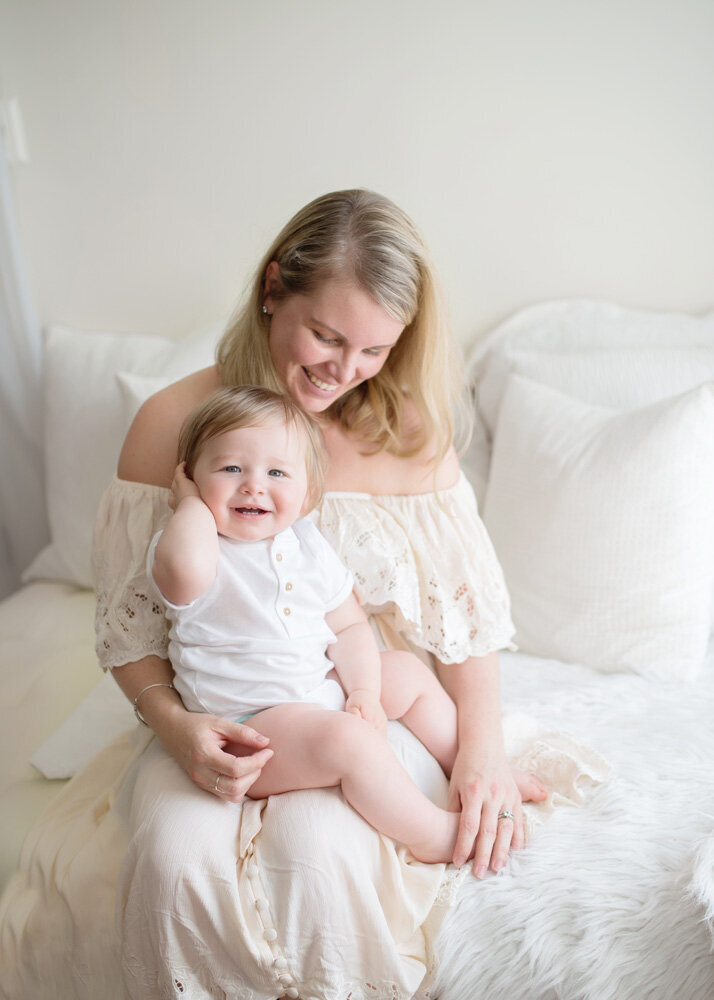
x=324 y=386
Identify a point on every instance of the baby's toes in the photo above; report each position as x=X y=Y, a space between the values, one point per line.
x=531 y=789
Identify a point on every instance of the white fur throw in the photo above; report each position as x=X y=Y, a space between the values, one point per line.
x=611 y=901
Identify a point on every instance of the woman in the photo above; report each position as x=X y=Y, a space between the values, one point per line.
x=345 y=315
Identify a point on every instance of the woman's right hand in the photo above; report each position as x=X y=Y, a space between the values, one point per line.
x=200 y=742
x=205 y=746
x=225 y=773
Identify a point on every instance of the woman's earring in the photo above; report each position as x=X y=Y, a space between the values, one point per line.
x=265 y=310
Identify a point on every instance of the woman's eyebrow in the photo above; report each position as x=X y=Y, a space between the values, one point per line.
x=318 y=322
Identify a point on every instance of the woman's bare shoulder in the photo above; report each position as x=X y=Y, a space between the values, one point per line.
x=149 y=451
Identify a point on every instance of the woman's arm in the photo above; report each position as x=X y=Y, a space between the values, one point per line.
x=482 y=783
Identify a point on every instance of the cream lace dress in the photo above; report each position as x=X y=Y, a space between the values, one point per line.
x=295 y=895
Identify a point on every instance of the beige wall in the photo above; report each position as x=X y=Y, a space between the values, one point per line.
x=548 y=149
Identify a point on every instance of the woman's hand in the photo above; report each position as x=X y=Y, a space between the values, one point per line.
x=482 y=789
x=223 y=757
x=367 y=705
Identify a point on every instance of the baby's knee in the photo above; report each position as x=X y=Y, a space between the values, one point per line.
x=344 y=735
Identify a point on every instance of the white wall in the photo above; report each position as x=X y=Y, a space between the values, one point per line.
x=547 y=149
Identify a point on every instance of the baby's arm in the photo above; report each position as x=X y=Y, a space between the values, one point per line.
x=187 y=552
x=356 y=659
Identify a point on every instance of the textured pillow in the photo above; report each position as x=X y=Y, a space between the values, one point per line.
x=604 y=525
x=135 y=390
x=623 y=378
x=581 y=325
x=85 y=422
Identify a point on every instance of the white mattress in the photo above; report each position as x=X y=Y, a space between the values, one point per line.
x=47 y=666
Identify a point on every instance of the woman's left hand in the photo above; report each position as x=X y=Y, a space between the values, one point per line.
x=482 y=787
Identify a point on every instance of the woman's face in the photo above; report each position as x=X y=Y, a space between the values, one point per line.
x=326 y=343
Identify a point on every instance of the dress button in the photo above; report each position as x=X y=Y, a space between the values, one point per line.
x=280 y=964
x=288 y=586
x=270 y=934
x=279 y=557
x=286 y=611
x=285 y=980
x=252 y=869
x=262 y=905
x=292 y=993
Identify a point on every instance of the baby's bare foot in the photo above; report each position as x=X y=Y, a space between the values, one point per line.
x=531 y=789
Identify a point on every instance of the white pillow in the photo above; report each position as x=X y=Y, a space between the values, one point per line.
x=604 y=525
x=85 y=422
x=623 y=379
x=582 y=325
x=135 y=390
x=102 y=716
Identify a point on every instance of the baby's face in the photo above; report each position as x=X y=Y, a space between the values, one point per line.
x=254 y=480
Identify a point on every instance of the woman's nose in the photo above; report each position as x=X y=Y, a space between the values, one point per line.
x=342 y=368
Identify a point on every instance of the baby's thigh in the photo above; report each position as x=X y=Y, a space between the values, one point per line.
x=307 y=742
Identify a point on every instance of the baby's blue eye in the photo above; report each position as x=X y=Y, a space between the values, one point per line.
x=232 y=468
x=276 y=473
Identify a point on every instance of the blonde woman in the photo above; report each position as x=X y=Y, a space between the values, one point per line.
x=344 y=314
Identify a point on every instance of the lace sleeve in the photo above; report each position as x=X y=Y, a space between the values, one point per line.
x=428 y=561
x=129 y=622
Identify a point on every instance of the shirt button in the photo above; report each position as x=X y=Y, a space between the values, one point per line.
x=270 y=934
x=288 y=586
x=279 y=557
x=286 y=611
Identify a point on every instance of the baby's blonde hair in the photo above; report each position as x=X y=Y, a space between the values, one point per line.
x=361 y=236
x=233 y=407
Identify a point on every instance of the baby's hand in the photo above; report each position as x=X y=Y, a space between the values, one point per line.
x=367 y=705
x=182 y=487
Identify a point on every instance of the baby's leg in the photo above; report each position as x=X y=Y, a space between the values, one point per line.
x=317 y=748
x=412 y=693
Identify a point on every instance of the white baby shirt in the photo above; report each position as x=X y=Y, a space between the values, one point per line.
x=258 y=636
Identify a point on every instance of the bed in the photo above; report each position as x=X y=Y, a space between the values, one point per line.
x=593 y=461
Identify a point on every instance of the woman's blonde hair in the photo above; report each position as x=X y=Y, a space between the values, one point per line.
x=233 y=407
x=361 y=236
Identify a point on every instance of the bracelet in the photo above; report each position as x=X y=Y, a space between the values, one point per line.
x=137 y=713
